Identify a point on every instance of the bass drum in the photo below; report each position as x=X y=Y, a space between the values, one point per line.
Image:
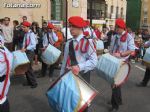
x=20 y=62
x=112 y=69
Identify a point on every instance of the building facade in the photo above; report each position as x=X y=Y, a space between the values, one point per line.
x=145 y=14
x=115 y=9
x=106 y=11
x=103 y=11
x=39 y=10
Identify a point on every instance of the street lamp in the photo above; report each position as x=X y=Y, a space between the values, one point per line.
x=66 y=19
x=91 y=16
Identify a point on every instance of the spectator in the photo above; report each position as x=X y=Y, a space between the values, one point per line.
x=16 y=32
x=7 y=31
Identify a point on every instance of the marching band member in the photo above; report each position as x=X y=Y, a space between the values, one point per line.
x=147 y=72
x=49 y=38
x=80 y=54
x=122 y=46
x=29 y=45
x=5 y=68
x=89 y=29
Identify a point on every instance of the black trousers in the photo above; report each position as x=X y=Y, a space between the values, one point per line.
x=5 y=106
x=29 y=74
x=45 y=67
x=116 y=98
x=146 y=77
x=86 y=77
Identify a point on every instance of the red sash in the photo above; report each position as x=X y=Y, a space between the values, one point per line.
x=7 y=75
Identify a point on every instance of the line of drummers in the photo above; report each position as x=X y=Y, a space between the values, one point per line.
x=82 y=53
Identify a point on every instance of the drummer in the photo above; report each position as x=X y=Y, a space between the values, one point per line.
x=88 y=29
x=29 y=45
x=49 y=38
x=122 y=45
x=79 y=58
x=147 y=72
x=5 y=65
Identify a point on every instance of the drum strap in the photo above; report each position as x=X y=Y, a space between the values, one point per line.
x=72 y=54
x=7 y=75
x=115 y=44
x=27 y=40
x=50 y=39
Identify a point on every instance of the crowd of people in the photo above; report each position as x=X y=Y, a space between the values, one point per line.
x=33 y=40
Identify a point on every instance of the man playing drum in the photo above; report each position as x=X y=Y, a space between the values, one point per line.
x=29 y=45
x=5 y=68
x=80 y=53
x=49 y=38
x=147 y=73
x=122 y=45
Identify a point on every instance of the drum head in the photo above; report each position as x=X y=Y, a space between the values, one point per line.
x=122 y=74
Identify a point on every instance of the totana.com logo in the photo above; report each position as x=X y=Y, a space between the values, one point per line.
x=21 y=5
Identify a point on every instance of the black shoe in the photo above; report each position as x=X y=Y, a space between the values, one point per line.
x=113 y=110
x=26 y=84
x=109 y=103
x=40 y=76
x=33 y=86
x=141 y=84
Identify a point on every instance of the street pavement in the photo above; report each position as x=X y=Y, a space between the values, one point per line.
x=135 y=99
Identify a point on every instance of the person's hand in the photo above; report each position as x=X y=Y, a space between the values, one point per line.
x=42 y=49
x=117 y=55
x=114 y=86
x=75 y=70
x=23 y=50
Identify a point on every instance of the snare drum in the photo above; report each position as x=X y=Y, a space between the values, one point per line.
x=20 y=62
x=112 y=69
x=146 y=58
x=70 y=94
x=50 y=55
x=99 y=47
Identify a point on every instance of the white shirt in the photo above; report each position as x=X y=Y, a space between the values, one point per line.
x=86 y=61
x=52 y=39
x=32 y=41
x=3 y=68
x=7 y=32
x=91 y=32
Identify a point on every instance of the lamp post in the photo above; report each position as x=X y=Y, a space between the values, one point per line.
x=66 y=19
x=91 y=10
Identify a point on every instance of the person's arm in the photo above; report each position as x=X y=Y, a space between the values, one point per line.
x=147 y=44
x=64 y=62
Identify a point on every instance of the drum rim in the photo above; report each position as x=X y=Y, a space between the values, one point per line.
x=126 y=76
x=88 y=102
x=14 y=70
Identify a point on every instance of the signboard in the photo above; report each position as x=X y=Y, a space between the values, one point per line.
x=75 y=3
x=56 y=23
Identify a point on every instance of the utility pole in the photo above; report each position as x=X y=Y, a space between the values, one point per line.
x=66 y=20
x=91 y=11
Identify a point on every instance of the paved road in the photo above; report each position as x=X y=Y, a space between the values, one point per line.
x=25 y=99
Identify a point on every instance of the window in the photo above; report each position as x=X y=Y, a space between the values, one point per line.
x=117 y=10
x=121 y=12
x=99 y=9
x=112 y=9
x=145 y=20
